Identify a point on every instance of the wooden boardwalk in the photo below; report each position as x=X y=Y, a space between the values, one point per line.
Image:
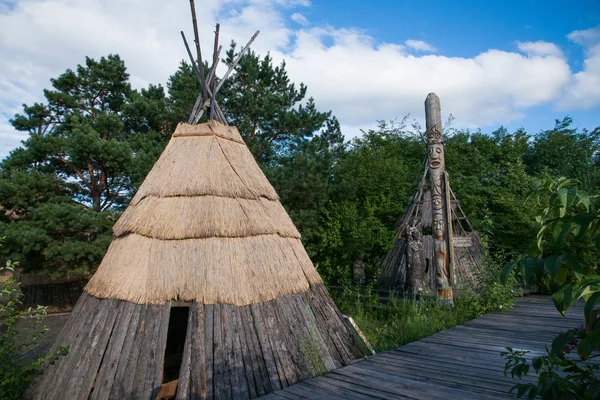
x=463 y=362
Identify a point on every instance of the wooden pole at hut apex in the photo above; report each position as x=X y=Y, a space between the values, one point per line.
x=437 y=169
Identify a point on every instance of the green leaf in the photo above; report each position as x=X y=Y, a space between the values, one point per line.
x=584 y=198
x=566 y=227
x=562 y=195
x=560 y=342
x=508 y=268
x=552 y=265
x=589 y=307
x=561 y=277
x=589 y=285
x=529 y=267
x=533 y=392
x=521 y=390
x=587 y=345
x=537 y=363
x=582 y=222
x=563 y=297
x=573 y=263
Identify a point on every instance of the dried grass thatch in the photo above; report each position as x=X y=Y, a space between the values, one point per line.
x=205 y=216
x=203 y=164
x=236 y=271
x=205 y=225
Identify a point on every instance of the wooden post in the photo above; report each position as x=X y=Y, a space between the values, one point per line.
x=198 y=53
x=215 y=63
x=437 y=169
x=451 y=269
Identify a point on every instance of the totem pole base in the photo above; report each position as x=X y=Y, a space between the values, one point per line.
x=445 y=296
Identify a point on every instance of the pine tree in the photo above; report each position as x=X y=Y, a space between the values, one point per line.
x=266 y=107
x=89 y=146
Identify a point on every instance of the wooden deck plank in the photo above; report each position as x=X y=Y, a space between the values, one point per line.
x=462 y=362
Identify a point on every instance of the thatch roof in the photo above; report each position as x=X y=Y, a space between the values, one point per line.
x=205 y=225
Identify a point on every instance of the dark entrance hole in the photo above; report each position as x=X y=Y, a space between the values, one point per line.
x=178 y=321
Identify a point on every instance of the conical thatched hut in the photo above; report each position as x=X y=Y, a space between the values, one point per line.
x=435 y=247
x=206 y=275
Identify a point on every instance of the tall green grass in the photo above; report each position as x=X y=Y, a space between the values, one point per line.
x=397 y=320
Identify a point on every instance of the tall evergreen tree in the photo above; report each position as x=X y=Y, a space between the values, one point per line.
x=89 y=146
x=266 y=107
x=304 y=177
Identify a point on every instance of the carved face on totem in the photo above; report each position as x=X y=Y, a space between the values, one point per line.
x=438 y=226
x=436 y=155
x=436 y=200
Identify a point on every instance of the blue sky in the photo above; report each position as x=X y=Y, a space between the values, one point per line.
x=511 y=63
x=467 y=28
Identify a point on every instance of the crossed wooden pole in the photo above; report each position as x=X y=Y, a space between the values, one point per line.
x=207 y=99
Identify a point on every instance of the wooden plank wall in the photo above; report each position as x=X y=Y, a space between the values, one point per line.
x=63 y=295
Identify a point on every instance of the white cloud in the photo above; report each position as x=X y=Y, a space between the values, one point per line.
x=361 y=81
x=584 y=89
x=420 y=45
x=346 y=70
x=540 y=48
x=300 y=19
x=585 y=37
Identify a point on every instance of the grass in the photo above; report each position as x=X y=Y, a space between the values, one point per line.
x=404 y=319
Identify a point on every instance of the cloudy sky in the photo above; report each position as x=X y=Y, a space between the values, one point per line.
x=519 y=63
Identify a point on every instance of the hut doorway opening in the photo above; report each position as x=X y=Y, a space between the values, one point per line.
x=178 y=322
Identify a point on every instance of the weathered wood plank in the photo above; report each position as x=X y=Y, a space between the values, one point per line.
x=80 y=339
x=119 y=388
x=183 y=383
x=467 y=365
x=400 y=385
x=240 y=381
x=266 y=347
x=156 y=355
x=254 y=356
x=88 y=366
x=209 y=327
x=327 y=385
x=246 y=352
x=108 y=369
x=199 y=349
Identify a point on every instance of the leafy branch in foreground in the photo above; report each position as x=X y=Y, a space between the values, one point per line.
x=566 y=260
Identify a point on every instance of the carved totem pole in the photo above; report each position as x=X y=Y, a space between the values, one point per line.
x=439 y=199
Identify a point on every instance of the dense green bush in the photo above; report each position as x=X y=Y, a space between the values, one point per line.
x=566 y=260
x=16 y=373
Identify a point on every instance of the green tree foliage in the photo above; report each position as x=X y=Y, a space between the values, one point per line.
x=489 y=177
x=89 y=146
x=266 y=107
x=566 y=259
x=371 y=188
x=183 y=88
x=304 y=177
x=566 y=151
